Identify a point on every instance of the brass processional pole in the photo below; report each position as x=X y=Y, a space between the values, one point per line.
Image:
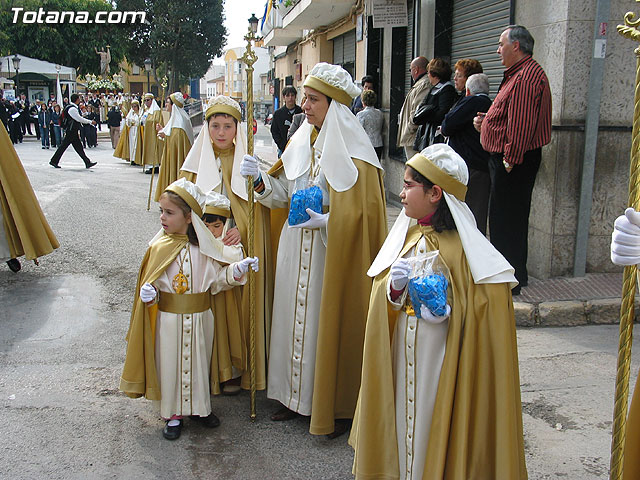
x=628 y=30
x=155 y=156
x=249 y=58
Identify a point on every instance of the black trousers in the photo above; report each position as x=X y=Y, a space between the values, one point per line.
x=509 y=208
x=71 y=138
x=477 y=199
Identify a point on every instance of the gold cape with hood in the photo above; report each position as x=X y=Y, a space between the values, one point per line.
x=176 y=148
x=356 y=230
x=25 y=226
x=139 y=376
x=122 y=149
x=152 y=145
x=264 y=278
x=476 y=431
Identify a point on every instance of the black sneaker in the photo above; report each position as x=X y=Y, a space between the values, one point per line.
x=210 y=421
x=172 y=433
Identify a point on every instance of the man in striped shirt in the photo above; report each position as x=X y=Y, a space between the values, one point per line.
x=513 y=131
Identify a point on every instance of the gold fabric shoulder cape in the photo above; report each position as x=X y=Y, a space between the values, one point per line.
x=476 y=430
x=152 y=150
x=239 y=308
x=122 y=148
x=176 y=148
x=357 y=221
x=139 y=376
x=25 y=226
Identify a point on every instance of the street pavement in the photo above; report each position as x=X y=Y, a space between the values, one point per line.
x=62 y=329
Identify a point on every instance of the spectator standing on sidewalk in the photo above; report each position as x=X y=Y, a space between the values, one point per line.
x=514 y=130
x=282 y=118
x=71 y=124
x=114 y=118
x=421 y=86
x=44 y=119
x=371 y=120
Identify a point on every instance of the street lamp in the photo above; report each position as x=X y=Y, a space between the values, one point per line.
x=147 y=67
x=16 y=64
x=249 y=58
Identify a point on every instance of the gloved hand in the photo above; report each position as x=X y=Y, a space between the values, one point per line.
x=242 y=267
x=429 y=317
x=316 y=220
x=625 y=239
x=249 y=167
x=400 y=274
x=148 y=293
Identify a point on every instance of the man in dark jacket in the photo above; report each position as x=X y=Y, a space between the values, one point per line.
x=114 y=117
x=465 y=140
x=282 y=118
x=44 y=119
x=71 y=122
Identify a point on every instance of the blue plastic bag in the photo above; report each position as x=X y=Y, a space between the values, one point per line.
x=428 y=283
x=301 y=200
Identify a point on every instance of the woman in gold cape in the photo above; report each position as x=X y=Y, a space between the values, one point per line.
x=178 y=138
x=24 y=226
x=475 y=427
x=321 y=290
x=214 y=169
x=152 y=146
x=130 y=144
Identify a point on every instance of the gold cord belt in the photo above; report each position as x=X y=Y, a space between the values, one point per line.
x=184 y=303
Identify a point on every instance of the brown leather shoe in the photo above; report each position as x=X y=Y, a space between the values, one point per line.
x=284 y=414
x=341 y=426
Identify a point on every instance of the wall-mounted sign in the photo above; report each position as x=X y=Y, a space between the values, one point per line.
x=389 y=13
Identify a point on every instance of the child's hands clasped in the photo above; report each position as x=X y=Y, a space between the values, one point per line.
x=148 y=293
x=400 y=274
x=242 y=267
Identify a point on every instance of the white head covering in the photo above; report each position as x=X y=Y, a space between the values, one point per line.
x=444 y=167
x=154 y=105
x=217 y=204
x=196 y=199
x=341 y=137
x=201 y=157
x=179 y=118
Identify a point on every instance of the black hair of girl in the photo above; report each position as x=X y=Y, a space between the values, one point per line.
x=225 y=115
x=211 y=217
x=442 y=218
x=182 y=205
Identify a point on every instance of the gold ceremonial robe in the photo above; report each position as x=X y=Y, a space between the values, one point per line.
x=476 y=428
x=25 y=226
x=264 y=277
x=152 y=145
x=355 y=232
x=176 y=148
x=139 y=376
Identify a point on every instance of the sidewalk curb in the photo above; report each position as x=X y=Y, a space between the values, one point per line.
x=569 y=313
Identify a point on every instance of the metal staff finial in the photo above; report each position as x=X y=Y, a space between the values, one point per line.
x=628 y=30
x=249 y=58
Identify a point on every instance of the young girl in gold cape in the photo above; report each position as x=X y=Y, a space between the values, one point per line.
x=171 y=335
x=440 y=395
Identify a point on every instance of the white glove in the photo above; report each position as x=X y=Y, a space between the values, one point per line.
x=242 y=267
x=625 y=239
x=148 y=293
x=400 y=274
x=249 y=167
x=429 y=317
x=316 y=220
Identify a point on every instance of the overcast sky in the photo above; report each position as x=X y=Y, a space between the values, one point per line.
x=237 y=13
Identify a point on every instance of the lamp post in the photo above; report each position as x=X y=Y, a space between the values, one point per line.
x=249 y=58
x=16 y=64
x=147 y=67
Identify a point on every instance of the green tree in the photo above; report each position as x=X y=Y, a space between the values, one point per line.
x=69 y=44
x=183 y=36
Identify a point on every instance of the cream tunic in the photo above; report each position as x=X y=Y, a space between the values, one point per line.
x=133 y=122
x=297 y=298
x=418 y=352
x=184 y=342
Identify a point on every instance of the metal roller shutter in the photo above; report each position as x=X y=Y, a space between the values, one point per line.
x=477 y=25
x=409 y=56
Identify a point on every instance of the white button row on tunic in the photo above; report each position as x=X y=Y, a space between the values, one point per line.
x=187 y=324
x=300 y=318
x=410 y=362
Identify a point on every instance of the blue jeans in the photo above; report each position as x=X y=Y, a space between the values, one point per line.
x=44 y=136
x=57 y=131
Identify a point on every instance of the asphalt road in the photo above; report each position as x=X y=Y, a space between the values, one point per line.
x=62 y=329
